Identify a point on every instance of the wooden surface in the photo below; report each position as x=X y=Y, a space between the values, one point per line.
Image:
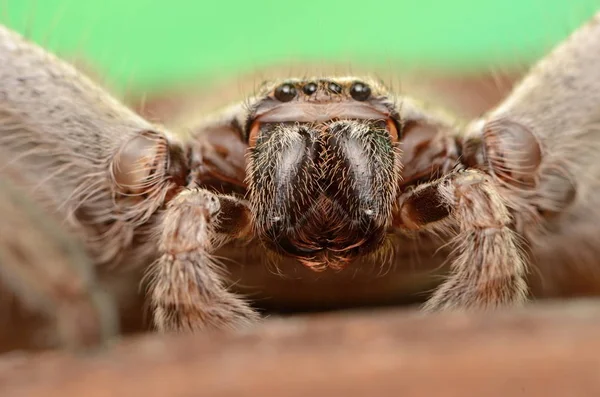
x=546 y=350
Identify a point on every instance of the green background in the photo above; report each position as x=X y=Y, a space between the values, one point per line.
x=143 y=44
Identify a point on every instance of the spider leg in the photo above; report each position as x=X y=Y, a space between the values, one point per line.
x=488 y=266
x=187 y=287
x=50 y=272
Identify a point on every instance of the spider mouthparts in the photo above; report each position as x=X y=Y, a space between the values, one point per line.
x=324 y=262
x=325 y=246
x=319 y=191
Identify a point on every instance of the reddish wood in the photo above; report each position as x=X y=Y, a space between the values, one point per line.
x=547 y=350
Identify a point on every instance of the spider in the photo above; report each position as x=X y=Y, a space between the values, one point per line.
x=325 y=172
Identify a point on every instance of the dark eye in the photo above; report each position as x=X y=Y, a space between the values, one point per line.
x=309 y=88
x=360 y=91
x=333 y=87
x=285 y=92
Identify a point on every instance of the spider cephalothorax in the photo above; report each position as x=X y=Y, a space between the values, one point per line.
x=323 y=168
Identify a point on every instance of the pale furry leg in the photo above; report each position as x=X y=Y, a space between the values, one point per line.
x=187 y=288
x=488 y=268
x=50 y=272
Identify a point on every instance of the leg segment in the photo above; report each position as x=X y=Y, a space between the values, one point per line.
x=488 y=268
x=49 y=271
x=187 y=286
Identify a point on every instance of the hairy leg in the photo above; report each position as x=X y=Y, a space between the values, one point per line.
x=50 y=272
x=187 y=287
x=488 y=266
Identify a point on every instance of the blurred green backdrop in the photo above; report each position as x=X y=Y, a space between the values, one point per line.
x=142 y=44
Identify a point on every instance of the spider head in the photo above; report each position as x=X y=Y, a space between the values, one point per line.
x=323 y=168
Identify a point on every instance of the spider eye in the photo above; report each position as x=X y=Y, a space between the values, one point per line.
x=335 y=88
x=285 y=92
x=309 y=88
x=360 y=91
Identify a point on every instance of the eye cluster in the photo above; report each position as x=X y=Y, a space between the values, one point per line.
x=286 y=92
